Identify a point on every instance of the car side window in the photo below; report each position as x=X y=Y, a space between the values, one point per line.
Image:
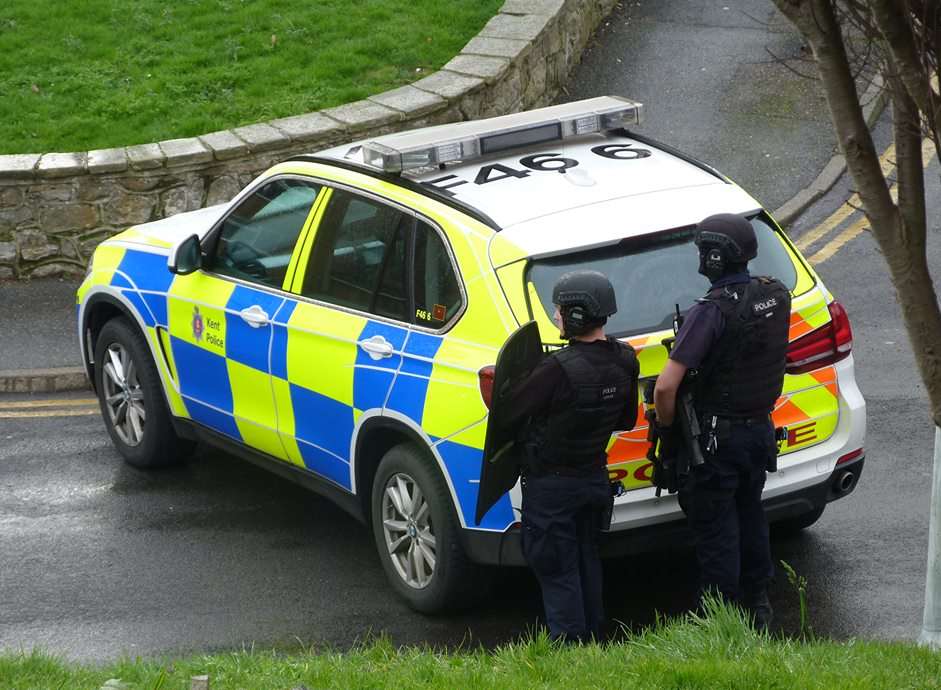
x=257 y=239
x=360 y=257
x=437 y=291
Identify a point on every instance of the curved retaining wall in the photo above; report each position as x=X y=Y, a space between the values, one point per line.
x=56 y=207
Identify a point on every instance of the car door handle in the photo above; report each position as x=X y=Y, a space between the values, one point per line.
x=254 y=316
x=377 y=347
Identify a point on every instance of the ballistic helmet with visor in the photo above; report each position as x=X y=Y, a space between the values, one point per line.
x=585 y=300
x=725 y=240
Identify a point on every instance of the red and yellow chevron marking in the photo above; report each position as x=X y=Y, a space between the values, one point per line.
x=808 y=313
x=809 y=408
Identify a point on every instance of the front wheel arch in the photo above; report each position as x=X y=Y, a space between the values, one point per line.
x=99 y=310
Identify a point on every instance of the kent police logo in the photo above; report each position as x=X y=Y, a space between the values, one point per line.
x=198 y=326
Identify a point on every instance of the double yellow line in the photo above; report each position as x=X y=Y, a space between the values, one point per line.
x=849 y=207
x=66 y=407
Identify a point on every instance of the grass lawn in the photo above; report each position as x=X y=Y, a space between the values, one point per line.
x=90 y=74
x=718 y=651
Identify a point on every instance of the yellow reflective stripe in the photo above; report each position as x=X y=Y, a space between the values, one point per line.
x=452 y=399
x=331 y=334
x=512 y=281
x=816 y=316
x=503 y=251
x=297 y=269
x=107 y=259
x=286 y=428
x=652 y=356
x=805 y=301
x=814 y=402
x=548 y=331
x=167 y=351
x=196 y=292
x=450 y=407
x=136 y=235
x=253 y=408
x=167 y=369
x=472 y=436
x=488 y=319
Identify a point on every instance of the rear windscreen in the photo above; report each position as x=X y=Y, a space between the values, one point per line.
x=652 y=274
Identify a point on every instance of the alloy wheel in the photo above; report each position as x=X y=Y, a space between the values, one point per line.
x=123 y=395
x=408 y=529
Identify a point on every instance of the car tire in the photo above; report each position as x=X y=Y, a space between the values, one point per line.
x=794 y=525
x=417 y=534
x=130 y=395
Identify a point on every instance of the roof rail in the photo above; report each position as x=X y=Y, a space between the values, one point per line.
x=418 y=187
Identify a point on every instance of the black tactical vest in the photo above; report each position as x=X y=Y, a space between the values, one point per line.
x=601 y=378
x=744 y=372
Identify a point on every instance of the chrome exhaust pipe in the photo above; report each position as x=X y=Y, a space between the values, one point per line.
x=844 y=482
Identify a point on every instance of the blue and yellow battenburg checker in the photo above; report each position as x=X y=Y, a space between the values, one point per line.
x=298 y=387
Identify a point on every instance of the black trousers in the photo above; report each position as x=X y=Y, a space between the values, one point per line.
x=562 y=520
x=722 y=500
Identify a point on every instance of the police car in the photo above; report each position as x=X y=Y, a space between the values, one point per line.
x=339 y=320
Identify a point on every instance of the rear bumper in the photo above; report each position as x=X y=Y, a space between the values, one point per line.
x=503 y=548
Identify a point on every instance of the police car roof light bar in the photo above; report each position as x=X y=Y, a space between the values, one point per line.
x=464 y=141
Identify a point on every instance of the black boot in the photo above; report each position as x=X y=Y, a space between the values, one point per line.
x=757 y=604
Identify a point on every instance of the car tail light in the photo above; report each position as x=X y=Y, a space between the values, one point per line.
x=849 y=457
x=485 y=376
x=826 y=345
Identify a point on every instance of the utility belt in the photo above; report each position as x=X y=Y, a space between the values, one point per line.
x=734 y=420
x=576 y=472
x=717 y=429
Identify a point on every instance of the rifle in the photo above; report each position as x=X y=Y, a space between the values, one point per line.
x=685 y=409
x=668 y=471
x=664 y=466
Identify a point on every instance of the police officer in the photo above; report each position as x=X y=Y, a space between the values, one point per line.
x=735 y=339
x=566 y=410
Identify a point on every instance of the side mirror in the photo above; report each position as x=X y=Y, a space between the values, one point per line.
x=186 y=257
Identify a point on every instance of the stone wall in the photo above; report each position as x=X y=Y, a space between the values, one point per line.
x=56 y=207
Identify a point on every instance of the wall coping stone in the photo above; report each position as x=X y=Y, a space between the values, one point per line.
x=18 y=164
x=61 y=164
x=488 y=68
x=550 y=7
x=185 y=151
x=448 y=84
x=411 y=101
x=107 y=160
x=308 y=127
x=224 y=145
x=261 y=137
x=145 y=156
x=364 y=114
x=527 y=27
x=496 y=47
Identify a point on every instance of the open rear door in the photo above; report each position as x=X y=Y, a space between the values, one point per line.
x=501 y=463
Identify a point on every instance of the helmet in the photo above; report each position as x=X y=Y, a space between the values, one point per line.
x=724 y=239
x=585 y=299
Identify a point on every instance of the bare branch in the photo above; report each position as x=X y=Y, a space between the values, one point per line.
x=784 y=63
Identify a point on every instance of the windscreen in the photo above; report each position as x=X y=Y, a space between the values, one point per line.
x=652 y=274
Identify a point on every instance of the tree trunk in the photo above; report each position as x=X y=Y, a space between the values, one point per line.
x=901 y=243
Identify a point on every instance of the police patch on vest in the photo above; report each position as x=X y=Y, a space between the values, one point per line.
x=759 y=307
x=608 y=393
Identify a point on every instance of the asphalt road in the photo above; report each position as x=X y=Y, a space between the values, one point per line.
x=717 y=81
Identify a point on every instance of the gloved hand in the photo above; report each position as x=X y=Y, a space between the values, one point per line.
x=669 y=440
